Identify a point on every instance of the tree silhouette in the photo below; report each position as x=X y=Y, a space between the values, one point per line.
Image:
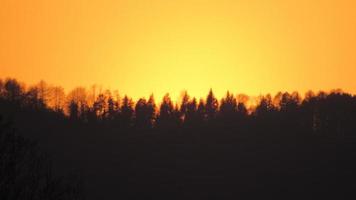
x=113 y=108
x=265 y=106
x=100 y=106
x=58 y=99
x=241 y=109
x=73 y=110
x=12 y=90
x=151 y=110
x=78 y=96
x=144 y=113
x=184 y=104
x=190 y=113
x=201 y=111
x=43 y=91
x=168 y=116
x=127 y=112
x=33 y=100
x=211 y=106
x=228 y=107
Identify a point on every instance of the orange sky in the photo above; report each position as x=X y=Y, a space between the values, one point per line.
x=159 y=46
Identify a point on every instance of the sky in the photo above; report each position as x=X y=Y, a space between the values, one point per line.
x=156 y=46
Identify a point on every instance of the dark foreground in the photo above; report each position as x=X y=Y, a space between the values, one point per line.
x=204 y=165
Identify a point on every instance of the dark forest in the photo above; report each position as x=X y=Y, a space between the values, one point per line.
x=52 y=147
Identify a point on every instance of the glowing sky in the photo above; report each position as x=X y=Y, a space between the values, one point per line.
x=159 y=46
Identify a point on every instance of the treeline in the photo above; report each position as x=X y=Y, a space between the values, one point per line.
x=194 y=149
x=322 y=113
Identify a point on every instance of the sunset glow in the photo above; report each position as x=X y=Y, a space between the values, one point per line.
x=159 y=46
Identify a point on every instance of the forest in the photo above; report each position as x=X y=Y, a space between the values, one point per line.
x=95 y=144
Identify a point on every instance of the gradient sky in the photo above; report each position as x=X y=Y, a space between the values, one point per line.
x=159 y=46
